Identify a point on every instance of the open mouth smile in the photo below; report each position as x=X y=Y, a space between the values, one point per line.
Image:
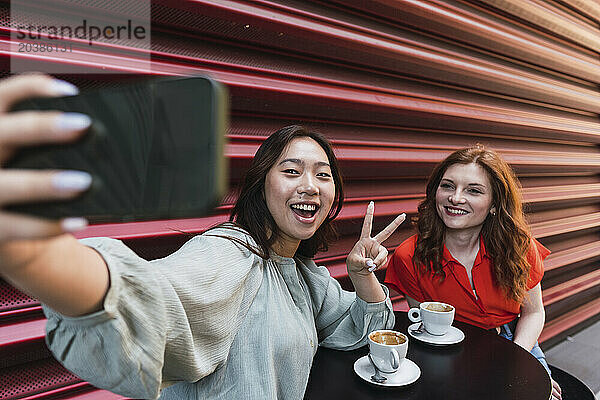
x=454 y=211
x=306 y=211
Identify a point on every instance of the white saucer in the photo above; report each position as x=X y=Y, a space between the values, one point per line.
x=408 y=372
x=453 y=336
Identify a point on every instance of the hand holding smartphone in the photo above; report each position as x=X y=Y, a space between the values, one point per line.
x=155 y=150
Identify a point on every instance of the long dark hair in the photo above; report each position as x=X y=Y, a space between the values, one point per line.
x=506 y=235
x=250 y=212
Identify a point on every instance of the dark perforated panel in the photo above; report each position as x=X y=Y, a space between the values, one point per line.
x=11 y=298
x=32 y=378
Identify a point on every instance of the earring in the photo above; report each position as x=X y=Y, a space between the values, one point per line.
x=493 y=213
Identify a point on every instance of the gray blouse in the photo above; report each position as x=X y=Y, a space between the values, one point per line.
x=212 y=320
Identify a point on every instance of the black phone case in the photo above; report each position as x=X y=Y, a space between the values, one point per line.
x=155 y=150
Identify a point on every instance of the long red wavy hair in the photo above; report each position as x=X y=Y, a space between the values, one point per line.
x=505 y=235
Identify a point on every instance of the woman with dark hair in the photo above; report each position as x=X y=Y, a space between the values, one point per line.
x=473 y=249
x=237 y=312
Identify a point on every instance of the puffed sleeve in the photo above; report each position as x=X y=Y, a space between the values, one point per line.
x=167 y=320
x=401 y=274
x=535 y=257
x=343 y=320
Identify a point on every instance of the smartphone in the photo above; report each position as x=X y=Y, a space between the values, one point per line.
x=155 y=150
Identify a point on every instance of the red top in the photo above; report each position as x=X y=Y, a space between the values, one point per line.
x=489 y=309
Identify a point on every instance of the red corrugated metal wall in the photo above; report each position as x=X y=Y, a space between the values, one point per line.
x=396 y=85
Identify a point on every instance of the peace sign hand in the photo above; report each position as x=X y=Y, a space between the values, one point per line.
x=368 y=255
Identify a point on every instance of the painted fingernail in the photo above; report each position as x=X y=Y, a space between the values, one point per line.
x=370 y=263
x=371 y=204
x=73 y=224
x=63 y=88
x=71 y=180
x=72 y=122
x=373 y=268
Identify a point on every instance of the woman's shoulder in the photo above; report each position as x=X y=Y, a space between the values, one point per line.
x=407 y=247
x=223 y=241
x=229 y=232
x=536 y=250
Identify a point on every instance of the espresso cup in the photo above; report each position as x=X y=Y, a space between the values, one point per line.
x=388 y=349
x=436 y=317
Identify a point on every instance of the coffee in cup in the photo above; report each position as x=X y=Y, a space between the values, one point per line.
x=437 y=317
x=388 y=349
x=439 y=307
x=387 y=337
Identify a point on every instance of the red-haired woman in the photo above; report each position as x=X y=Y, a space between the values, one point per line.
x=473 y=249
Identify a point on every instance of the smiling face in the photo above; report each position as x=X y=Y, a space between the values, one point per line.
x=464 y=197
x=299 y=192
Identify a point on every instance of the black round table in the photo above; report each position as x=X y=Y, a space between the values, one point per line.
x=483 y=366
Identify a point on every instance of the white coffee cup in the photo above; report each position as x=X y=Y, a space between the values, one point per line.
x=436 y=317
x=388 y=349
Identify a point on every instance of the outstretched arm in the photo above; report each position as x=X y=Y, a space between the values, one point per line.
x=532 y=319
x=530 y=325
x=59 y=271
